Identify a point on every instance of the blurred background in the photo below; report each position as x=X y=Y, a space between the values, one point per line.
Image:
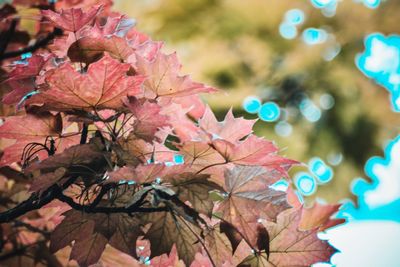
x=295 y=65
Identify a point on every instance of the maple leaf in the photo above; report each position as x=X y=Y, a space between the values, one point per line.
x=133 y=150
x=70 y=229
x=254 y=151
x=31 y=126
x=257 y=260
x=288 y=245
x=71 y=19
x=60 y=45
x=26 y=129
x=163 y=78
x=250 y=199
x=167 y=260
x=112 y=257
x=22 y=79
x=119 y=230
x=168 y=229
x=195 y=189
x=180 y=118
x=199 y=154
x=83 y=4
x=148 y=119
x=231 y=129
x=44 y=181
x=319 y=215
x=125 y=234
x=218 y=246
x=120 y=25
x=102 y=87
x=87 y=250
x=89 y=49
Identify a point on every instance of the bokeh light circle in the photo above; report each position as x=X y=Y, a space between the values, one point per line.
x=269 y=111
x=287 y=30
x=283 y=129
x=294 y=16
x=320 y=170
x=251 y=104
x=305 y=183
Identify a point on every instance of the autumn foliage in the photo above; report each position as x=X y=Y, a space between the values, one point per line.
x=110 y=157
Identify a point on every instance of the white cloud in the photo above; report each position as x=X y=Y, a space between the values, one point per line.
x=388 y=187
x=365 y=243
x=383 y=58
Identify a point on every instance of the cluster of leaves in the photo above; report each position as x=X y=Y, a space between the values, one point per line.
x=110 y=146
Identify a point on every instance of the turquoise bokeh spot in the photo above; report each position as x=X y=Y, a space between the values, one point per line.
x=309 y=110
x=287 y=30
x=283 y=129
x=372 y=3
x=252 y=104
x=320 y=170
x=313 y=36
x=294 y=16
x=269 y=111
x=305 y=183
x=322 y=3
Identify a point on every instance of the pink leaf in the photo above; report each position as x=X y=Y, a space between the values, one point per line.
x=163 y=78
x=103 y=86
x=71 y=19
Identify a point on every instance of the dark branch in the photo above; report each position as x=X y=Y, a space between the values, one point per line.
x=35 y=201
x=104 y=190
x=31 y=228
x=8 y=35
x=32 y=48
x=84 y=133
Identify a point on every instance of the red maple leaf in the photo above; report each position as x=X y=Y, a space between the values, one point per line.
x=163 y=79
x=289 y=245
x=231 y=129
x=148 y=119
x=22 y=79
x=103 y=86
x=71 y=19
x=250 y=200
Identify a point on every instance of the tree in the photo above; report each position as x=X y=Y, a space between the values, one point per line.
x=110 y=146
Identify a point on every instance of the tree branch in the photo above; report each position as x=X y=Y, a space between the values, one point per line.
x=84 y=133
x=35 y=201
x=31 y=228
x=8 y=35
x=32 y=48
